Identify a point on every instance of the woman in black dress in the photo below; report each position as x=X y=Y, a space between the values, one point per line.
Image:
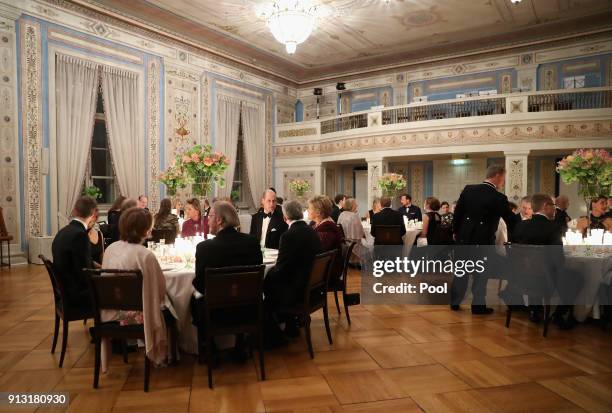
x=96 y=240
x=113 y=219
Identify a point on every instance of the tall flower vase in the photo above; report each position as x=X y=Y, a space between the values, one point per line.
x=588 y=192
x=200 y=188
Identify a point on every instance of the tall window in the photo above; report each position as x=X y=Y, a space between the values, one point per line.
x=100 y=171
x=241 y=191
x=237 y=183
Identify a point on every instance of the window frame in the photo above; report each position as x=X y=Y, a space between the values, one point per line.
x=100 y=117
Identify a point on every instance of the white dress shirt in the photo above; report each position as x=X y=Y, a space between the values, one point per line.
x=81 y=221
x=264 y=231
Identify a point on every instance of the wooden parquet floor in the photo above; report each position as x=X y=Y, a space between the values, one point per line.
x=391 y=359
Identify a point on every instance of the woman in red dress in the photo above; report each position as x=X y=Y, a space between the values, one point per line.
x=319 y=211
x=195 y=223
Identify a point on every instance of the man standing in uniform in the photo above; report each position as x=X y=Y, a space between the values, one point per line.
x=477 y=216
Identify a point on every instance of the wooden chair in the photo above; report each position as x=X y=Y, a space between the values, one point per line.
x=337 y=280
x=233 y=304
x=169 y=235
x=347 y=299
x=118 y=290
x=388 y=235
x=4 y=237
x=388 y=243
x=315 y=297
x=63 y=309
x=531 y=271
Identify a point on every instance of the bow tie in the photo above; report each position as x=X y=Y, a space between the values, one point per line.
x=269 y=215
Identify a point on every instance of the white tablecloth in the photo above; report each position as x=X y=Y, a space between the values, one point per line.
x=179 y=289
x=596 y=270
x=409 y=238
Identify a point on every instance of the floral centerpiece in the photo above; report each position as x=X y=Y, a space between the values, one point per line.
x=391 y=183
x=174 y=178
x=204 y=167
x=299 y=187
x=591 y=168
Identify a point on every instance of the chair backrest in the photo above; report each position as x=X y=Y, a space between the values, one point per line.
x=234 y=286
x=336 y=266
x=167 y=234
x=319 y=275
x=3 y=230
x=112 y=289
x=388 y=235
x=532 y=268
x=57 y=285
x=347 y=252
x=341 y=230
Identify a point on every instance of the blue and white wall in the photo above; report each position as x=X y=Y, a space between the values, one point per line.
x=543 y=68
x=179 y=87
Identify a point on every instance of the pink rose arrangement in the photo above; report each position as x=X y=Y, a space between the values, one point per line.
x=204 y=167
x=299 y=187
x=391 y=183
x=174 y=178
x=591 y=168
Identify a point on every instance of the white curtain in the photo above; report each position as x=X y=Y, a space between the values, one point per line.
x=228 y=121
x=253 y=133
x=124 y=115
x=76 y=84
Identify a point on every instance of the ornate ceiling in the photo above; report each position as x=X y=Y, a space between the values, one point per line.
x=362 y=35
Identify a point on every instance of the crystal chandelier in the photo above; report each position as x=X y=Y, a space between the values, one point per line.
x=290 y=21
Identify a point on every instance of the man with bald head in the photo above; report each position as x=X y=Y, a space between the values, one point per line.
x=267 y=225
x=561 y=216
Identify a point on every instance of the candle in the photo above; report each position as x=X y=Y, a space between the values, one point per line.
x=597 y=236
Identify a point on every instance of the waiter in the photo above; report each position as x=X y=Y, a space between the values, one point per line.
x=476 y=219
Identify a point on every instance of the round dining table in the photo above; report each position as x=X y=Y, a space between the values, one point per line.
x=179 y=289
x=596 y=270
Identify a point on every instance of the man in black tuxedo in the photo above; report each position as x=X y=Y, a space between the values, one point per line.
x=477 y=215
x=71 y=251
x=286 y=281
x=387 y=216
x=561 y=216
x=229 y=247
x=338 y=206
x=542 y=229
x=409 y=210
x=267 y=225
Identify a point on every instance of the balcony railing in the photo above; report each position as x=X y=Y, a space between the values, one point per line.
x=344 y=123
x=597 y=99
x=463 y=109
x=470 y=107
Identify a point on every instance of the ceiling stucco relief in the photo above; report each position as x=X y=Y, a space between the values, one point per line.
x=368 y=33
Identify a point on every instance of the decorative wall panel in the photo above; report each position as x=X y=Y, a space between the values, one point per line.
x=8 y=138
x=204 y=109
x=417 y=183
x=32 y=124
x=182 y=126
x=153 y=123
x=547 y=176
x=516 y=177
x=181 y=117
